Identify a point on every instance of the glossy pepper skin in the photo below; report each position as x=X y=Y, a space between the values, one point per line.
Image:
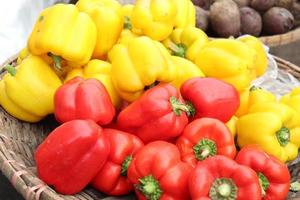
x=107 y=16
x=273 y=174
x=186 y=14
x=229 y=60
x=186 y=42
x=155 y=19
x=33 y=80
x=139 y=63
x=63 y=157
x=211 y=97
x=204 y=138
x=83 y=99
x=185 y=70
x=112 y=178
x=220 y=177
x=158 y=173
x=100 y=70
x=72 y=39
x=292 y=99
x=251 y=96
x=274 y=127
x=261 y=61
x=159 y=114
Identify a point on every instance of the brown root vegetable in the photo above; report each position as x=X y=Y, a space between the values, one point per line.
x=202 y=18
x=296 y=12
x=251 y=22
x=205 y=4
x=284 y=3
x=262 y=5
x=277 y=21
x=225 y=18
x=242 y=3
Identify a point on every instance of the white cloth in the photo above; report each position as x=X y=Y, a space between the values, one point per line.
x=17 y=18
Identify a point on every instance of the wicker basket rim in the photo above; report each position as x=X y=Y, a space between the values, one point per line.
x=279 y=39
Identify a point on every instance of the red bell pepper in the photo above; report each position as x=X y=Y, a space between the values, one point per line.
x=203 y=138
x=159 y=114
x=83 y=99
x=211 y=97
x=273 y=174
x=219 y=177
x=71 y=156
x=112 y=178
x=158 y=173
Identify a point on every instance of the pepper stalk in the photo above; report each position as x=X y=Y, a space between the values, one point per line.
x=204 y=149
x=125 y=165
x=149 y=187
x=178 y=107
x=283 y=136
x=223 y=189
x=11 y=70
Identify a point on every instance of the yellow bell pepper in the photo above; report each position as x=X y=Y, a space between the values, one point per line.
x=185 y=70
x=275 y=127
x=231 y=124
x=186 y=42
x=22 y=55
x=261 y=61
x=100 y=70
x=64 y=33
x=155 y=18
x=252 y=96
x=27 y=91
x=126 y=35
x=140 y=63
x=186 y=14
x=127 y=15
x=128 y=30
x=292 y=99
x=229 y=60
x=107 y=15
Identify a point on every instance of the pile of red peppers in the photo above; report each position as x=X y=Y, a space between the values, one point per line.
x=166 y=145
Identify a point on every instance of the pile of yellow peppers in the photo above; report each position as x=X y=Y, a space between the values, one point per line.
x=131 y=47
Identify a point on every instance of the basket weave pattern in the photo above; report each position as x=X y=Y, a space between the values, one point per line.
x=18 y=141
x=281 y=39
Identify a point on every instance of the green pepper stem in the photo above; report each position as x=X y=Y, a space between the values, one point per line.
x=205 y=148
x=57 y=61
x=223 y=189
x=264 y=183
x=253 y=88
x=127 y=23
x=178 y=49
x=295 y=186
x=149 y=187
x=178 y=106
x=125 y=165
x=283 y=136
x=11 y=70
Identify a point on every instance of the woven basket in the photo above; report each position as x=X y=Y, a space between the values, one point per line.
x=18 y=141
x=282 y=39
